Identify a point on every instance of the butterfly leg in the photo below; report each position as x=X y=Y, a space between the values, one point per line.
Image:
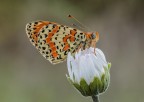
x=94 y=41
x=79 y=47
x=93 y=44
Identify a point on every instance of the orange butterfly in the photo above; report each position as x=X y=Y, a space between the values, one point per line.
x=54 y=41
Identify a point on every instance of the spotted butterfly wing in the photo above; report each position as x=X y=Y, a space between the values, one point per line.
x=53 y=40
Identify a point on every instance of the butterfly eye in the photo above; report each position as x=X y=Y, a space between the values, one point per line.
x=93 y=35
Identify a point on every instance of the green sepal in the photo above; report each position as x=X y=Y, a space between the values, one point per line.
x=109 y=66
x=85 y=88
x=106 y=78
x=77 y=86
x=94 y=85
x=70 y=81
x=103 y=83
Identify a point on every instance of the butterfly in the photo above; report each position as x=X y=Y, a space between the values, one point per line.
x=55 y=41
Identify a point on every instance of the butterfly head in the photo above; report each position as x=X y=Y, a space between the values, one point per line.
x=93 y=36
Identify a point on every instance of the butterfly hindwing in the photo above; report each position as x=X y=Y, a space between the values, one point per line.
x=54 y=41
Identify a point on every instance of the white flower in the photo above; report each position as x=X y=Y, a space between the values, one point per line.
x=89 y=71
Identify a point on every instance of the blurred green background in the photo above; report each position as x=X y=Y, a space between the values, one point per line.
x=25 y=76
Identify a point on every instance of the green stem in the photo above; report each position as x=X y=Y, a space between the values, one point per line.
x=95 y=98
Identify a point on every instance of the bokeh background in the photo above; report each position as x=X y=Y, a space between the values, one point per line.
x=25 y=76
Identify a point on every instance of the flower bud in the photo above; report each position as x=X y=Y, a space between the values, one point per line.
x=89 y=71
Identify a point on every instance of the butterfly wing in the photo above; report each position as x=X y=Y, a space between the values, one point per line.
x=54 y=41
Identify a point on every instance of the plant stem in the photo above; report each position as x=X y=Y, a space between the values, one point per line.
x=95 y=98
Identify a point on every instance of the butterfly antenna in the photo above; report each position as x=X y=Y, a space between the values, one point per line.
x=83 y=26
x=78 y=26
